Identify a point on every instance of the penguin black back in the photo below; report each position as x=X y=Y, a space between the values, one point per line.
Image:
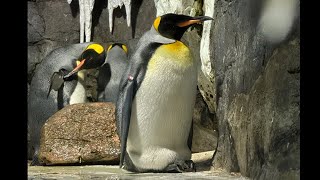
x=111 y=72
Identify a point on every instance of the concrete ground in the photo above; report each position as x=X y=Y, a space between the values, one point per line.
x=107 y=172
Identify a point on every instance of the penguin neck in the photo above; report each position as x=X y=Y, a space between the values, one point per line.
x=81 y=76
x=79 y=93
x=157 y=37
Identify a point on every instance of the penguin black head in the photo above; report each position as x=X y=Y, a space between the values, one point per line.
x=173 y=26
x=92 y=57
x=124 y=47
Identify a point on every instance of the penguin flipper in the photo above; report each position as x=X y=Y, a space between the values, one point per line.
x=124 y=113
x=56 y=81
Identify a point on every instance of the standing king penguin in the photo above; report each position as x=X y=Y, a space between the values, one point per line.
x=156 y=99
x=43 y=102
x=111 y=71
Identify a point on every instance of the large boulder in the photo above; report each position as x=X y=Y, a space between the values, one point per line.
x=81 y=133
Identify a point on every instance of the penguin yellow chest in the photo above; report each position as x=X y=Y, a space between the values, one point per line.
x=175 y=54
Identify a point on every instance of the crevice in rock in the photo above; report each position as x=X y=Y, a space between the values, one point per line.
x=294 y=70
x=67 y=139
x=35 y=30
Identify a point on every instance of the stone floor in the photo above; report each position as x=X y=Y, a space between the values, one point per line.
x=106 y=172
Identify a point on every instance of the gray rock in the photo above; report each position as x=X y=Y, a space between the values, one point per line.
x=258 y=96
x=33 y=60
x=60 y=25
x=80 y=133
x=143 y=14
x=177 y=6
x=205 y=127
x=36 y=53
x=35 y=23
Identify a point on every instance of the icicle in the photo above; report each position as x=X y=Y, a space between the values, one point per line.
x=86 y=7
x=110 y=19
x=113 y=4
x=88 y=18
x=82 y=20
x=127 y=4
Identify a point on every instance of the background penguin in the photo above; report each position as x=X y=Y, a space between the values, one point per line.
x=156 y=99
x=111 y=72
x=41 y=105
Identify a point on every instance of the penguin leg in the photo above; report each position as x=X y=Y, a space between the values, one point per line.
x=180 y=166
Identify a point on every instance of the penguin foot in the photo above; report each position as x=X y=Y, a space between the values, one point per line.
x=181 y=166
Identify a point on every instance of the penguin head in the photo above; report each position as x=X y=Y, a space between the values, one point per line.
x=92 y=57
x=122 y=46
x=173 y=26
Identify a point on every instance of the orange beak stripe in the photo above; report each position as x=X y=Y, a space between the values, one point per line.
x=76 y=69
x=189 y=22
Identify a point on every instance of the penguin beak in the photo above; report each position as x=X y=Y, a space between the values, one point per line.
x=76 y=69
x=194 y=20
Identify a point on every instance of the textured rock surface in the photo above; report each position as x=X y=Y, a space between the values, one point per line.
x=60 y=25
x=204 y=127
x=177 y=6
x=36 y=24
x=206 y=78
x=258 y=96
x=80 y=133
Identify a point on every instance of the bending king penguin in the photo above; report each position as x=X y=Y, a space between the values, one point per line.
x=73 y=59
x=156 y=99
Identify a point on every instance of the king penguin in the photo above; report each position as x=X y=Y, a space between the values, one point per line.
x=156 y=100
x=111 y=71
x=42 y=103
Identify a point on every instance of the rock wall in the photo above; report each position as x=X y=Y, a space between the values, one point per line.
x=258 y=95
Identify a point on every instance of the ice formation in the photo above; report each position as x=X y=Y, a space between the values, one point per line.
x=113 y=4
x=86 y=7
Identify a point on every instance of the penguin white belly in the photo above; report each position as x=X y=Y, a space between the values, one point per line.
x=162 y=110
